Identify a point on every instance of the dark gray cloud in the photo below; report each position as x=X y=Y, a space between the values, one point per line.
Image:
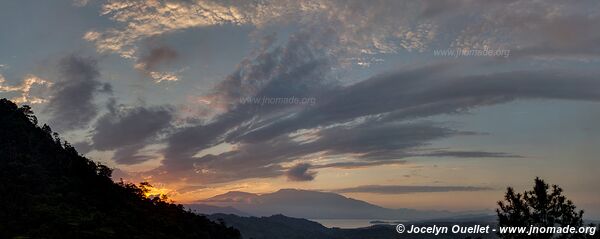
x=372 y=143
x=71 y=105
x=156 y=55
x=300 y=172
x=401 y=189
x=376 y=140
x=130 y=130
x=130 y=126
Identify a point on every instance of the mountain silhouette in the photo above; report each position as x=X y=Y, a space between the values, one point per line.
x=48 y=190
x=210 y=209
x=314 y=205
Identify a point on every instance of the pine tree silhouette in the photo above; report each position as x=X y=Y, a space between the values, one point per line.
x=540 y=208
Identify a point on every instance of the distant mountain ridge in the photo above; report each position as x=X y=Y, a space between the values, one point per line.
x=314 y=205
x=210 y=209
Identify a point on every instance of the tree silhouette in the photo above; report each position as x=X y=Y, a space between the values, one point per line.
x=539 y=208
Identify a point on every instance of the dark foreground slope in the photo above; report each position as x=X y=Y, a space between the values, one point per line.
x=48 y=190
x=282 y=227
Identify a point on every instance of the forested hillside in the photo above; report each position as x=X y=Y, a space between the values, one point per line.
x=49 y=190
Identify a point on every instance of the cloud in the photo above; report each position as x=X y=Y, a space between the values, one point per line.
x=72 y=103
x=364 y=29
x=25 y=89
x=129 y=130
x=149 y=64
x=554 y=30
x=381 y=120
x=377 y=121
x=372 y=121
x=367 y=144
x=143 y=19
x=400 y=189
x=295 y=69
x=300 y=68
x=129 y=126
x=427 y=91
x=300 y=172
x=163 y=76
x=156 y=56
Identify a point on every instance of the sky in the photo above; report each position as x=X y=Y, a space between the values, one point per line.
x=434 y=104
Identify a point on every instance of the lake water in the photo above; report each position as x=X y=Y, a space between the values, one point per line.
x=349 y=223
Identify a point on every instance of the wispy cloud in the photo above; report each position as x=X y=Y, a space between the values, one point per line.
x=24 y=89
x=367 y=120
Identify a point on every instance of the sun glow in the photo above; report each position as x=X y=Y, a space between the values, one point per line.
x=151 y=191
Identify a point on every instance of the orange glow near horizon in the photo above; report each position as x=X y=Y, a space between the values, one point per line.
x=154 y=191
